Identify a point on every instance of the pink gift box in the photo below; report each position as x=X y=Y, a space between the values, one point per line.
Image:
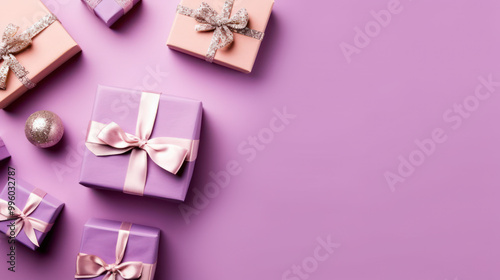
x=109 y=11
x=100 y=238
x=241 y=54
x=4 y=153
x=49 y=50
x=47 y=211
x=176 y=117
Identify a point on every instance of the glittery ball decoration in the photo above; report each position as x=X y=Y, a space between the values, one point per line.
x=44 y=129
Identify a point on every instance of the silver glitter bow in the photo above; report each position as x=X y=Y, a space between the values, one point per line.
x=12 y=44
x=222 y=25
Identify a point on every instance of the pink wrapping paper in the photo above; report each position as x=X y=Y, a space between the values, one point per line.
x=241 y=54
x=50 y=49
x=177 y=117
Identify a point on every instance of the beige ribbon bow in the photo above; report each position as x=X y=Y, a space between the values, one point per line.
x=91 y=266
x=169 y=153
x=23 y=219
x=222 y=25
x=13 y=43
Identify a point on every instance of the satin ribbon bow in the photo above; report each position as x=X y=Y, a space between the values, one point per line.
x=167 y=152
x=223 y=25
x=91 y=266
x=23 y=219
x=13 y=43
x=168 y=156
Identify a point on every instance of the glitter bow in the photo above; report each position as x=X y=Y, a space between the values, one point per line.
x=125 y=4
x=169 y=153
x=13 y=43
x=91 y=266
x=23 y=219
x=222 y=25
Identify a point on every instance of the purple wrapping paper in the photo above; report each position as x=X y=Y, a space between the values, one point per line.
x=109 y=11
x=4 y=153
x=47 y=211
x=100 y=236
x=177 y=117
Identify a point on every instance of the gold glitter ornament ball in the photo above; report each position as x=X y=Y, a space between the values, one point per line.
x=44 y=129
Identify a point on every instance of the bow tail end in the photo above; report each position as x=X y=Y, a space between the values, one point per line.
x=4 y=71
x=20 y=72
x=135 y=179
x=30 y=233
x=109 y=276
x=32 y=224
x=214 y=45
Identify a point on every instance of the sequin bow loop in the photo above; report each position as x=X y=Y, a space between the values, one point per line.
x=13 y=43
x=223 y=25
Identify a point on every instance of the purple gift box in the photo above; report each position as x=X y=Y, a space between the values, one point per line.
x=4 y=153
x=102 y=237
x=110 y=11
x=176 y=117
x=47 y=211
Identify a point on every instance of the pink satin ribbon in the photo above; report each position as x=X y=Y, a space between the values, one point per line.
x=167 y=152
x=91 y=266
x=125 y=4
x=23 y=219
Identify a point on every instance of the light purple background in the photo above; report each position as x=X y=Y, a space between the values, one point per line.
x=323 y=175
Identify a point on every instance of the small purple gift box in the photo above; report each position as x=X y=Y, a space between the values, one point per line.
x=4 y=153
x=27 y=213
x=142 y=143
x=110 y=11
x=117 y=250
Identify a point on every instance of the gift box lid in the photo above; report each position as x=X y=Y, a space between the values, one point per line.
x=49 y=49
x=100 y=237
x=241 y=54
x=48 y=210
x=109 y=11
x=176 y=117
